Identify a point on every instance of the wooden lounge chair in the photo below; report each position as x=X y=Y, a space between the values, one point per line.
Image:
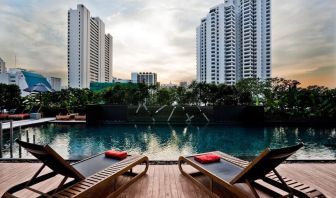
x=81 y=116
x=65 y=115
x=230 y=171
x=19 y=114
x=91 y=177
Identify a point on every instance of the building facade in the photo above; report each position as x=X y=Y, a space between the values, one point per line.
x=55 y=83
x=23 y=79
x=89 y=49
x=234 y=42
x=148 y=78
x=168 y=85
x=2 y=66
x=184 y=84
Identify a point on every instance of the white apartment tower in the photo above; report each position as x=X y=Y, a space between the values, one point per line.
x=108 y=57
x=234 y=42
x=89 y=49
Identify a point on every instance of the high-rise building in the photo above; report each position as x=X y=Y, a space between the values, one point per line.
x=108 y=57
x=2 y=66
x=234 y=42
x=89 y=49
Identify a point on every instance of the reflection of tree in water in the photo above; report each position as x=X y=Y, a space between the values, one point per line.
x=160 y=141
x=285 y=136
x=97 y=139
x=281 y=136
x=237 y=141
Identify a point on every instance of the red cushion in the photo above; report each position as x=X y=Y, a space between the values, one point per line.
x=116 y=154
x=3 y=115
x=20 y=116
x=207 y=158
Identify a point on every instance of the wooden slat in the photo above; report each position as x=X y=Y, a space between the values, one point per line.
x=319 y=176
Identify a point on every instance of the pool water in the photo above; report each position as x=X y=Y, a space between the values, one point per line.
x=168 y=142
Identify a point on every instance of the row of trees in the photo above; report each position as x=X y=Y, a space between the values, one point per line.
x=279 y=96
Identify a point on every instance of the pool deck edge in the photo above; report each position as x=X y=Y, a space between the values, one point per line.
x=29 y=122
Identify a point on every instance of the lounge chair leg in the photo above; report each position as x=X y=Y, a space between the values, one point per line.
x=38 y=192
x=252 y=188
x=114 y=183
x=61 y=184
x=290 y=192
x=35 y=175
x=211 y=185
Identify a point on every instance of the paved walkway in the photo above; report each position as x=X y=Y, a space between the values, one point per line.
x=22 y=123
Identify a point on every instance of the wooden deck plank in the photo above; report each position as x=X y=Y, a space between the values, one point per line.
x=167 y=181
x=172 y=183
x=156 y=182
x=22 y=123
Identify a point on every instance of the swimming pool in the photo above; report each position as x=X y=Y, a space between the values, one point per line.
x=167 y=142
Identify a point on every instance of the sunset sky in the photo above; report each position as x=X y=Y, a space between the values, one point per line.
x=159 y=36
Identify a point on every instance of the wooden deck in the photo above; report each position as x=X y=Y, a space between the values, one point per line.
x=68 y=121
x=21 y=123
x=166 y=180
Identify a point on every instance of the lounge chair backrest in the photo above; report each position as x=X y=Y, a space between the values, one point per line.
x=265 y=162
x=51 y=159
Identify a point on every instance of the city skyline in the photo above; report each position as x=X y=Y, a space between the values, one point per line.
x=160 y=37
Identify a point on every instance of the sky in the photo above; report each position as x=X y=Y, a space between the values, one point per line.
x=159 y=36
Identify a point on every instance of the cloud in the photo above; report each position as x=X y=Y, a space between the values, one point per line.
x=324 y=76
x=159 y=36
x=304 y=40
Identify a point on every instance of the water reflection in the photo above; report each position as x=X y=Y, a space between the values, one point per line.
x=169 y=141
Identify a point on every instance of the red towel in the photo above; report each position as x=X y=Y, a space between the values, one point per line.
x=116 y=154
x=207 y=158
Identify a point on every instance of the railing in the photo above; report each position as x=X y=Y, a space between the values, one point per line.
x=11 y=137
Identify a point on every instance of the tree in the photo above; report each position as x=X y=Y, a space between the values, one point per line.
x=254 y=86
x=10 y=96
x=3 y=89
x=192 y=94
x=164 y=97
x=227 y=95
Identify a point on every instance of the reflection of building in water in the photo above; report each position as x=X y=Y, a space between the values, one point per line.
x=162 y=142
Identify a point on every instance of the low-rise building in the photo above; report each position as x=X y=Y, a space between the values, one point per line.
x=184 y=84
x=100 y=86
x=2 y=66
x=169 y=85
x=56 y=83
x=23 y=79
x=119 y=80
x=148 y=78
